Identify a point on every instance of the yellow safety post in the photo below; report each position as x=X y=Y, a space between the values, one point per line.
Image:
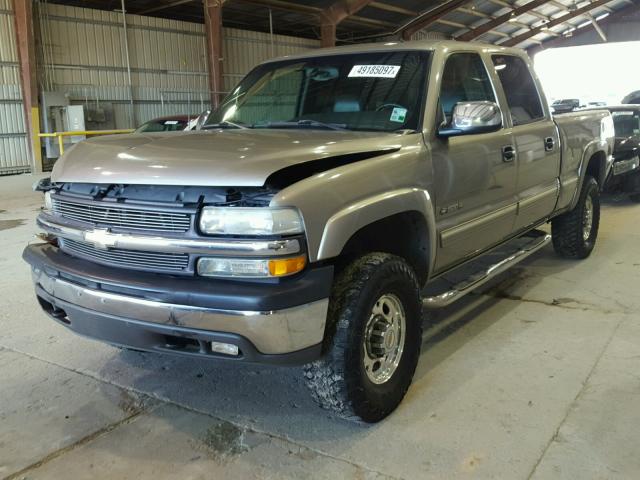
x=35 y=129
x=87 y=133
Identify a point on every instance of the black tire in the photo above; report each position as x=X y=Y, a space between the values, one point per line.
x=635 y=197
x=568 y=230
x=338 y=381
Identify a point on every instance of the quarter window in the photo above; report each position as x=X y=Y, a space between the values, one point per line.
x=519 y=89
x=464 y=80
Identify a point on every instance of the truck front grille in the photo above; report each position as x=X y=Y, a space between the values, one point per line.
x=137 y=260
x=105 y=215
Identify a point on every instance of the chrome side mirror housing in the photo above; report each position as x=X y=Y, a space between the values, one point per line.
x=473 y=117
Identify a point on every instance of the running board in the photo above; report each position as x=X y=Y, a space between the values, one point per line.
x=478 y=279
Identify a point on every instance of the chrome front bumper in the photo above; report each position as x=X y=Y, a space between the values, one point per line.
x=272 y=332
x=282 y=336
x=624 y=166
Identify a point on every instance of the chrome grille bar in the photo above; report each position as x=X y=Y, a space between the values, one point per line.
x=147 y=243
x=122 y=217
x=127 y=258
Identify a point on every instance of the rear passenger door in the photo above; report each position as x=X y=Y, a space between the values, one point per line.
x=535 y=139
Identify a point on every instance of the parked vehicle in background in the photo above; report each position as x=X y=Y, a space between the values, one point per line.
x=633 y=97
x=172 y=123
x=202 y=119
x=625 y=173
x=565 y=105
x=301 y=225
x=596 y=104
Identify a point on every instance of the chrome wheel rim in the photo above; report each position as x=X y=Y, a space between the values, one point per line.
x=384 y=339
x=587 y=221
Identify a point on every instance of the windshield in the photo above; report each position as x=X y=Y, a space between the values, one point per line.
x=626 y=123
x=366 y=91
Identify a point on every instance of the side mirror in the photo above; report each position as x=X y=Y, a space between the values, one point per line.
x=202 y=119
x=473 y=117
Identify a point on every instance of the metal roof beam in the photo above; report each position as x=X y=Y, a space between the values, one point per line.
x=163 y=6
x=392 y=8
x=335 y=13
x=614 y=17
x=556 y=21
x=532 y=12
x=431 y=16
x=310 y=11
x=404 y=11
x=478 y=13
x=496 y=22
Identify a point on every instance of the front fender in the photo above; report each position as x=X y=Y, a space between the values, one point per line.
x=346 y=222
x=338 y=202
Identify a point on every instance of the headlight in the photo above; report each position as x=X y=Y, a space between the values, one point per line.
x=250 y=221
x=48 y=204
x=249 y=267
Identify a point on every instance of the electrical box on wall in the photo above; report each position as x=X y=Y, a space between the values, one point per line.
x=99 y=115
x=53 y=104
x=61 y=116
x=74 y=122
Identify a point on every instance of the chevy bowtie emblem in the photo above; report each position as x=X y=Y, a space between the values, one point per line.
x=100 y=238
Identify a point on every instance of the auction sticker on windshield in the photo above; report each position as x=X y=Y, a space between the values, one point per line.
x=376 y=71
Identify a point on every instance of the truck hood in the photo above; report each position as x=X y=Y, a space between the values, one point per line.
x=238 y=157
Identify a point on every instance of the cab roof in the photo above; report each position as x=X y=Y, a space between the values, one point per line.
x=428 y=45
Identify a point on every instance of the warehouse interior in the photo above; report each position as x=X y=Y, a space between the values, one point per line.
x=534 y=374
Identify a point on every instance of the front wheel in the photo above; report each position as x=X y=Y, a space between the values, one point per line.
x=574 y=233
x=374 y=333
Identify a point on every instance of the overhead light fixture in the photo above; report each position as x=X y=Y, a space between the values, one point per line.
x=584 y=24
x=600 y=17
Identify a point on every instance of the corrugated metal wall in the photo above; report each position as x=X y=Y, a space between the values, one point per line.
x=14 y=153
x=84 y=56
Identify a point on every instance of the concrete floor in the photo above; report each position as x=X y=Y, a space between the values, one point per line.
x=536 y=377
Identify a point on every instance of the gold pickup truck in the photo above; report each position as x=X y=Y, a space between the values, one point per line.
x=303 y=222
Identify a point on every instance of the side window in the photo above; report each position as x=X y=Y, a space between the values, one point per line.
x=519 y=88
x=464 y=79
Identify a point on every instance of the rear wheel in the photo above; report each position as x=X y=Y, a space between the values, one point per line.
x=374 y=333
x=574 y=233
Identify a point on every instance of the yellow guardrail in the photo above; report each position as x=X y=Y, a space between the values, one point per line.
x=87 y=133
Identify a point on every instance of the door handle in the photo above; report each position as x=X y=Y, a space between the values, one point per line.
x=508 y=153
x=549 y=144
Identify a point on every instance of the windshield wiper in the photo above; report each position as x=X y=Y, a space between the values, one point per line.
x=305 y=123
x=223 y=124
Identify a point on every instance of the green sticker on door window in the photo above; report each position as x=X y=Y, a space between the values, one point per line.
x=398 y=114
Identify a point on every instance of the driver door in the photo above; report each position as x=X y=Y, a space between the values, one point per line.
x=474 y=175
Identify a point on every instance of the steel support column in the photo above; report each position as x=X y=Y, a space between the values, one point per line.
x=331 y=16
x=26 y=45
x=213 y=28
